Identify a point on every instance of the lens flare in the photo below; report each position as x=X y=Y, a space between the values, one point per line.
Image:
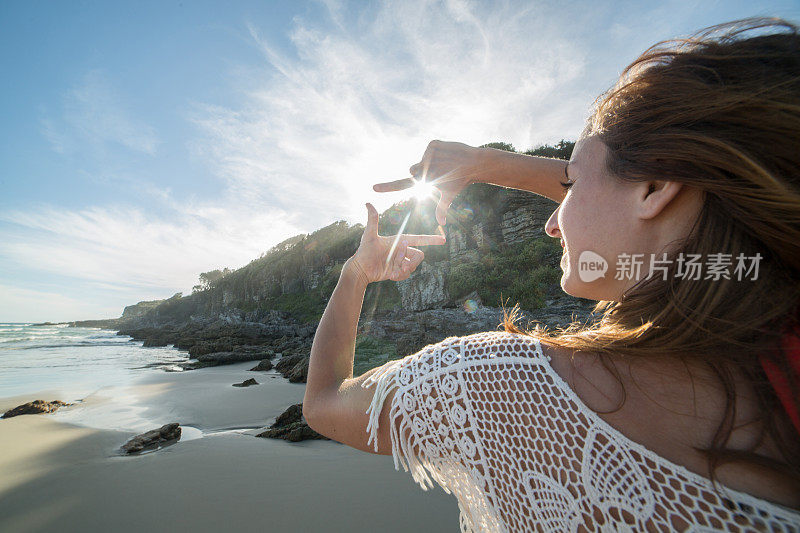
x=470 y=306
x=397 y=238
x=422 y=190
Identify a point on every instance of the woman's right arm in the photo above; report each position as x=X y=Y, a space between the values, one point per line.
x=540 y=175
x=451 y=166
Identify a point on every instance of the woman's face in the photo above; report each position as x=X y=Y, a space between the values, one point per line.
x=595 y=222
x=602 y=217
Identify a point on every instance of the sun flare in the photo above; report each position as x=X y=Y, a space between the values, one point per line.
x=422 y=190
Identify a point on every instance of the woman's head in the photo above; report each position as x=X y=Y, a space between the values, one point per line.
x=709 y=124
x=610 y=227
x=695 y=152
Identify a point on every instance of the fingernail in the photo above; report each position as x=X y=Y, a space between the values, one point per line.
x=394 y=275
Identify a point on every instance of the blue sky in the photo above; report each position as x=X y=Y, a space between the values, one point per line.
x=144 y=142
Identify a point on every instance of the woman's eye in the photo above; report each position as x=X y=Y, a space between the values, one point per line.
x=566 y=185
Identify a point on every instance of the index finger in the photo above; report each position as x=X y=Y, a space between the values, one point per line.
x=390 y=186
x=424 y=240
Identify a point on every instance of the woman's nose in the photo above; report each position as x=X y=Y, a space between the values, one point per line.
x=551 y=226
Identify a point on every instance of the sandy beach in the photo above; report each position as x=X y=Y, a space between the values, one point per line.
x=63 y=471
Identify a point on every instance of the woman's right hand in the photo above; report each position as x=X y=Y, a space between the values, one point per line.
x=448 y=166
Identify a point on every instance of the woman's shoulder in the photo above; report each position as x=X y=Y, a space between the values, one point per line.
x=672 y=408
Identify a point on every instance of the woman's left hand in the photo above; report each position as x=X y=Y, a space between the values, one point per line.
x=376 y=261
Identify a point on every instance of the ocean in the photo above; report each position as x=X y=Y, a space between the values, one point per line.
x=76 y=361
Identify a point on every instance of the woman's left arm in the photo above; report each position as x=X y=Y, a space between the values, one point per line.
x=335 y=404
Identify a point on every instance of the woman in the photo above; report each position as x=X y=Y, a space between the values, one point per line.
x=678 y=409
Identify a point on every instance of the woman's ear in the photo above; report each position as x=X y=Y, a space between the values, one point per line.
x=655 y=196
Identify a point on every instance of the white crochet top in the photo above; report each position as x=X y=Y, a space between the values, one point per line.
x=488 y=419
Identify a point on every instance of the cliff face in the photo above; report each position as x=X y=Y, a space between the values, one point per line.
x=135 y=311
x=425 y=288
x=515 y=217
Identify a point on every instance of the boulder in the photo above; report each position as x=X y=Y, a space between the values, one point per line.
x=291 y=415
x=246 y=383
x=154 y=437
x=35 y=407
x=194 y=365
x=290 y=425
x=264 y=365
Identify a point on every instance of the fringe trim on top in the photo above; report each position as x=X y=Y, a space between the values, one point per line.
x=386 y=380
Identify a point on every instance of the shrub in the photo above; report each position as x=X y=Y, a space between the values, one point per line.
x=520 y=273
x=372 y=352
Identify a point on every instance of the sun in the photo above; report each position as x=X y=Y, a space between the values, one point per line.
x=422 y=190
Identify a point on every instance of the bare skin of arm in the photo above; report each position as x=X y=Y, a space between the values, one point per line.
x=335 y=403
x=452 y=166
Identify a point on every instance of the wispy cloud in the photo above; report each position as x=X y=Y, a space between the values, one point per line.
x=94 y=116
x=127 y=247
x=357 y=100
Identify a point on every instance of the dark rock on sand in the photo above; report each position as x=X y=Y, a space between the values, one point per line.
x=194 y=365
x=246 y=383
x=154 y=437
x=290 y=425
x=293 y=414
x=264 y=365
x=35 y=407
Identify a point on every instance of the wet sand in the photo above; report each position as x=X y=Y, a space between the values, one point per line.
x=62 y=471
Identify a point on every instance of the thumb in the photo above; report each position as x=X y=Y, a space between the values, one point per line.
x=372 y=219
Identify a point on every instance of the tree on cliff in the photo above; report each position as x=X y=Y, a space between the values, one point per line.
x=210 y=278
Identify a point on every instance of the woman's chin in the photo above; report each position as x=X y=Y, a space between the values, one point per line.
x=566 y=283
x=575 y=287
x=567 y=288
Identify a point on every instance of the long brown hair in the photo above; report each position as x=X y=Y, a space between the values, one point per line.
x=718 y=111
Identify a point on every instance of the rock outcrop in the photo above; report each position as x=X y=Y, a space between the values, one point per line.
x=262 y=366
x=246 y=383
x=34 y=408
x=413 y=331
x=291 y=425
x=294 y=367
x=226 y=340
x=524 y=216
x=155 y=437
x=425 y=288
x=237 y=355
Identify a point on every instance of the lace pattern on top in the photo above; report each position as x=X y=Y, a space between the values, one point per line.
x=488 y=419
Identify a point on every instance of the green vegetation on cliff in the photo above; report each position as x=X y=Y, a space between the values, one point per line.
x=520 y=273
x=372 y=352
